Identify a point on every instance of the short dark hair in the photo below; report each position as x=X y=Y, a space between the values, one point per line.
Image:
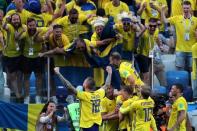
x=153 y=20
x=91 y=83
x=100 y=12
x=115 y=55
x=30 y=20
x=145 y=92
x=57 y=26
x=128 y=89
x=73 y=11
x=179 y=87
x=186 y=2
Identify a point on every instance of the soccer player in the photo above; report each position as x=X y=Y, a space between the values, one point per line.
x=90 y=99
x=178 y=115
x=109 y=111
x=125 y=99
x=127 y=71
x=185 y=26
x=143 y=109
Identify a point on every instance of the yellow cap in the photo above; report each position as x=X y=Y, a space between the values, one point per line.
x=194 y=50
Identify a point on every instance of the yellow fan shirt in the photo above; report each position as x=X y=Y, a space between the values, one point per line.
x=177 y=8
x=12 y=47
x=111 y=10
x=59 y=60
x=183 y=27
x=194 y=61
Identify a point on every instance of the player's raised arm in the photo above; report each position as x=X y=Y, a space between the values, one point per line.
x=65 y=81
x=108 y=79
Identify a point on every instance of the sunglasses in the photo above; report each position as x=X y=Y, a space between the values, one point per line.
x=153 y=26
x=127 y=23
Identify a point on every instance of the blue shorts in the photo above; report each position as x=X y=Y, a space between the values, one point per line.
x=183 y=60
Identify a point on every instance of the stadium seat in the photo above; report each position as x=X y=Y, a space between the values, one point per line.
x=181 y=77
x=188 y=94
x=159 y=90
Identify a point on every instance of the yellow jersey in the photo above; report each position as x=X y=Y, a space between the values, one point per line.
x=179 y=105
x=84 y=11
x=143 y=114
x=150 y=12
x=185 y=32
x=194 y=61
x=177 y=8
x=147 y=43
x=127 y=121
x=1 y=38
x=47 y=18
x=126 y=70
x=128 y=39
x=12 y=47
x=59 y=60
x=71 y=30
x=111 y=10
x=108 y=106
x=32 y=48
x=90 y=112
x=102 y=3
x=24 y=15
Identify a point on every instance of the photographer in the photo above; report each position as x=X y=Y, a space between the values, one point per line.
x=47 y=119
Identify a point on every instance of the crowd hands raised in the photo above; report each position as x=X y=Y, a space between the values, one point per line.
x=120 y=38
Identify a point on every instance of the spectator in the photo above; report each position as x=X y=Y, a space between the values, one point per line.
x=12 y=52
x=145 y=48
x=151 y=9
x=129 y=28
x=24 y=14
x=176 y=7
x=185 y=26
x=90 y=118
x=32 y=62
x=57 y=42
x=115 y=7
x=47 y=119
x=1 y=49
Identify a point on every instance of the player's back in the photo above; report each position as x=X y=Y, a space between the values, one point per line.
x=143 y=109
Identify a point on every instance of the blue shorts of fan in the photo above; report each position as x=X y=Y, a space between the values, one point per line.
x=183 y=60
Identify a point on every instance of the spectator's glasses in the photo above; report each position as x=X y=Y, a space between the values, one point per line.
x=153 y=26
x=126 y=23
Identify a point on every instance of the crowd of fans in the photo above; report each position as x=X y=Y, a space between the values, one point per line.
x=124 y=39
